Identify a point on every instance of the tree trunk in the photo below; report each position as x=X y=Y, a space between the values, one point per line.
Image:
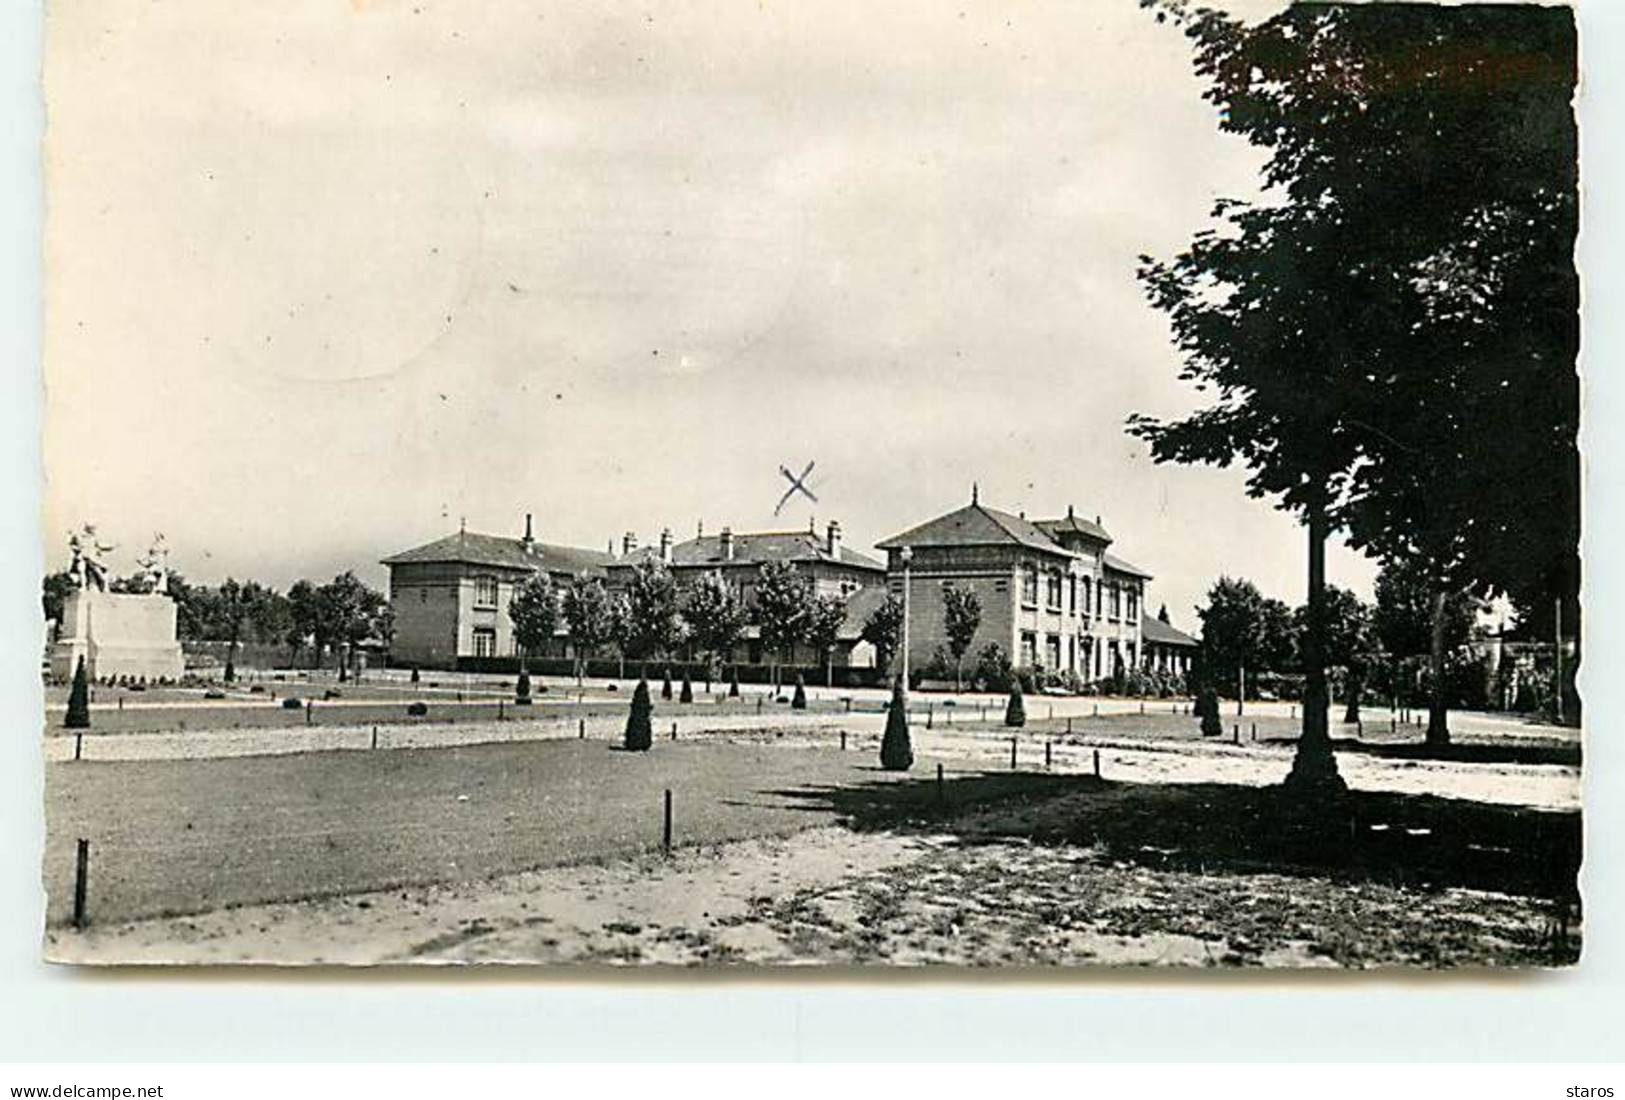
x=1354 y=688
x=829 y=667
x=1241 y=687
x=1438 y=723
x=1314 y=767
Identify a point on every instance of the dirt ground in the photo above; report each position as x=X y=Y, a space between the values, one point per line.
x=827 y=896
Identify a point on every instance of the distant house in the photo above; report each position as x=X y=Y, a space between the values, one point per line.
x=1051 y=594
x=833 y=568
x=1167 y=649
x=451 y=596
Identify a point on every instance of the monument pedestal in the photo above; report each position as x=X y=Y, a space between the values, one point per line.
x=117 y=634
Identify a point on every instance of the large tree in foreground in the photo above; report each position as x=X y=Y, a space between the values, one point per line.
x=1420 y=185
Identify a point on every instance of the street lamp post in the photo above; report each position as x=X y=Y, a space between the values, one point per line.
x=907 y=556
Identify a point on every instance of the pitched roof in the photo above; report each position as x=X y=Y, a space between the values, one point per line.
x=468 y=548
x=1113 y=562
x=859 y=606
x=1071 y=524
x=1153 y=629
x=977 y=525
x=756 y=548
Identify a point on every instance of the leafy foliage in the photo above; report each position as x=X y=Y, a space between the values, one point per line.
x=884 y=630
x=962 y=615
x=534 y=611
x=652 y=626
x=715 y=616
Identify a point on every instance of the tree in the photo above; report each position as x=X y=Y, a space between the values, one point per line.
x=653 y=627
x=1392 y=338
x=962 y=616
x=1241 y=630
x=798 y=701
x=1015 y=711
x=1411 y=621
x=784 y=597
x=348 y=613
x=55 y=590
x=640 y=735
x=232 y=606
x=304 y=620
x=715 y=618
x=620 y=629
x=534 y=611
x=588 y=618
x=825 y=617
x=78 y=717
x=1351 y=641
x=884 y=630
x=1162 y=614
x=896 y=751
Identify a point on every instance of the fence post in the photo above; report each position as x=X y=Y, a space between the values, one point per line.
x=581 y=729
x=1097 y=763
x=1255 y=731
x=1142 y=706
x=665 y=833
x=674 y=731
x=1097 y=710
x=1236 y=733
x=1069 y=723
x=375 y=737
x=81 y=879
x=843 y=740
x=1046 y=756
x=942 y=791
x=499 y=709
x=310 y=705
x=929 y=714
x=78 y=745
x=1012 y=754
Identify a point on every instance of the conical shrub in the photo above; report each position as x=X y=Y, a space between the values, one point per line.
x=79 y=700
x=1208 y=705
x=640 y=733
x=665 y=686
x=521 y=691
x=415 y=676
x=896 y=752
x=687 y=694
x=733 y=685
x=799 y=700
x=1015 y=711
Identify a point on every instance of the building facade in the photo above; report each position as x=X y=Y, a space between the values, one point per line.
x=1051 y=595
x=451 y=596
x=833 y=568
x=1166 y=647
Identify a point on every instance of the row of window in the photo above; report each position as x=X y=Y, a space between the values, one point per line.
x=1076 y=651
x=1112 y=596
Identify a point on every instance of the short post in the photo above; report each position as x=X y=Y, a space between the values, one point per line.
x=674 y=731
x=121 y=704
x=1012 y=754
x=78 y=746
x=843 y=740
x=1393 y=724
x=758 y=704
x=1046 y=756
x=1097 y=710
x=1069 y=723
x=665 y=833
x=499 y=710
x=375 y=737
x=581 y=729
x=81 y=879
x=310 y=705
x=1142 y=706
x=929 y=714
x=942 y=791
x=1255 y=731
x=1052 y=710
x=1294 y=710
x=1236 y=733
x=1097 y=763
x=848 y=702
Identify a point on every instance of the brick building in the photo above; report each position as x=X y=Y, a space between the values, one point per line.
x=1051 y=593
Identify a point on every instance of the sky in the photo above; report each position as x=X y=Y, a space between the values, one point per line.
x=326 y=279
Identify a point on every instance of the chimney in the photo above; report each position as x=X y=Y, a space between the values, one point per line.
x=1069 y=513
x=629 y=543
x=699 y=529
x=727 y=540
x=529 y=541
x=832 y=539
x=665 y=545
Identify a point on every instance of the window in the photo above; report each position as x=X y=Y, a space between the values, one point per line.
x=1054 y=591
x=1029 y=649
x=1052 y=651
x=1088 y=594
x=485 y=641
x=1117 y=601
x=1133 y=603
x=485 y=591
x=1072 y=595
x=1029 y=586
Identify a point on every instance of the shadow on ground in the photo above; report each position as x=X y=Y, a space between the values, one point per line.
x=1403 y=840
